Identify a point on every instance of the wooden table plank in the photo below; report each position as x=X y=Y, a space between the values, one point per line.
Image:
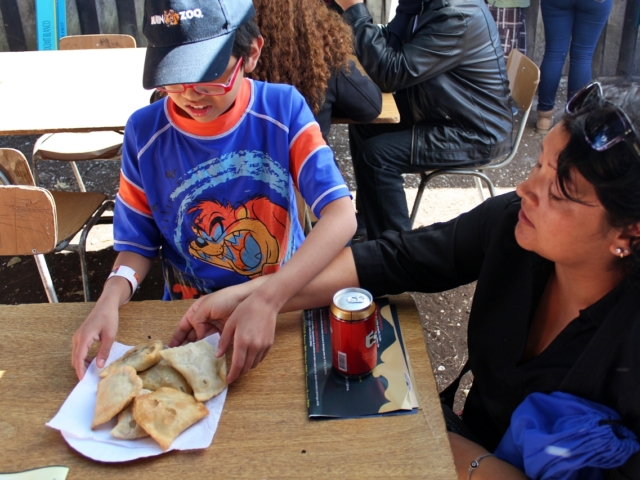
x=264 y=431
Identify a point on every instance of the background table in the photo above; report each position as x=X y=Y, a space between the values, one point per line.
x=83 y=91
x=70 y=90
x=264 y=430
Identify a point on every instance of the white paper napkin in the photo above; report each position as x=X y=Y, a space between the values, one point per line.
x=75 y=416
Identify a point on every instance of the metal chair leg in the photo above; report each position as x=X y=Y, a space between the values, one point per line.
x=416 y=203
x=34 y=171
x=479 y=187
x=307 y=222
x=477 y=175
x=82 y=247
x=76 y=172
x=46 y=278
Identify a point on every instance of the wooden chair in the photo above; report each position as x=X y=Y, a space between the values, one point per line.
x=524 y=76
x=74 y=147
x=35 y=221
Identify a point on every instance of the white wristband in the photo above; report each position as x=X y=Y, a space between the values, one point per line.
x=129 y=274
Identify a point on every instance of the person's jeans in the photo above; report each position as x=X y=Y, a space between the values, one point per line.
x=381 y=153
x=569 y=26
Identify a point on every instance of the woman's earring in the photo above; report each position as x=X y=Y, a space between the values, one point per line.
x=620 y=252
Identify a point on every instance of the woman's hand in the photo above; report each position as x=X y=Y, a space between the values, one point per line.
x=208 y=314
x=238 y=312
x=100 y=326
x=252 y=327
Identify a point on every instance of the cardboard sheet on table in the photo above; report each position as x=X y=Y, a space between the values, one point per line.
x=388 y=390
x=75 y=416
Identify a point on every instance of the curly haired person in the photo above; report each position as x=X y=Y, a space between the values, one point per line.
x=308 y=45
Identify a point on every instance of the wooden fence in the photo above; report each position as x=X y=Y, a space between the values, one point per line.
x=617 y=53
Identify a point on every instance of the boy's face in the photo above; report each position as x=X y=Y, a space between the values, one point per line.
x=206 y=108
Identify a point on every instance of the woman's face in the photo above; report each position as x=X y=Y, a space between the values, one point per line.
x=556 y=228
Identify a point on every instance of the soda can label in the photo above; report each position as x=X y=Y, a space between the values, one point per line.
x=354 y=339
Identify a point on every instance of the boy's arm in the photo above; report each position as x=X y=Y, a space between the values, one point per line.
x=252 y=323
x=102 y=323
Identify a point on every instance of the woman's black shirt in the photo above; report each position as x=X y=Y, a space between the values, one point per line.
x=597 y=356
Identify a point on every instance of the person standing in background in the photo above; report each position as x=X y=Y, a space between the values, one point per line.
x=510 y=19
x=574 y=27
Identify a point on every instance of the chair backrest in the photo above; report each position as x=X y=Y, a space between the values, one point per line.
x=28 y=219
x=524 y=76
x=28 y=223
x=87 y=42
x=15 y=168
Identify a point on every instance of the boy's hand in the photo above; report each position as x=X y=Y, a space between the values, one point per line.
x=100 y=326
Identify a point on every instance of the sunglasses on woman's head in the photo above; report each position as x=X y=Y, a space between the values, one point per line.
x=608 y=129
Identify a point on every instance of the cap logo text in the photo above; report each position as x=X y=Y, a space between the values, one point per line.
x=171 y=18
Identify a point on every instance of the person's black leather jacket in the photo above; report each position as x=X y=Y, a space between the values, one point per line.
x=452 y=73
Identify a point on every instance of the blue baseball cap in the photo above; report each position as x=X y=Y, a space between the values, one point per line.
x=190 y=41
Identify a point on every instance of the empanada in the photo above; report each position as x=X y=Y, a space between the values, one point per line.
x=115 y=392
x=127 y=428
x=197 y=362
x=164 y=375
x=166 y=413
x=140 y=357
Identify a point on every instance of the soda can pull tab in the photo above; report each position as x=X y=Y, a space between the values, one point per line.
x=356 y=299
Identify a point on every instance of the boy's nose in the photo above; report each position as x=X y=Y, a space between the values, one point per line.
x=191 y=94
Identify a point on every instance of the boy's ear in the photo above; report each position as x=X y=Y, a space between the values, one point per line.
x=254 y=54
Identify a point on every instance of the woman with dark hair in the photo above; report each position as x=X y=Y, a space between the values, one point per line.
x=307 y=45
x=557 y=301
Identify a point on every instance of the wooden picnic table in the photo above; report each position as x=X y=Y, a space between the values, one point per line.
x=83 y=91
x=264 y=430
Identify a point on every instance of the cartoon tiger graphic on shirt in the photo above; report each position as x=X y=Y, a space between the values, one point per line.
x=245 y=238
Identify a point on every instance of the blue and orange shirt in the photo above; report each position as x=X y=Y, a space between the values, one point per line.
x=217 y=199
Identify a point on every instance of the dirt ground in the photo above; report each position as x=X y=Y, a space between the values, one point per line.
x=444 y=315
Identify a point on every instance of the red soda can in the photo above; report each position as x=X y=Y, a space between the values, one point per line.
x=354 y=340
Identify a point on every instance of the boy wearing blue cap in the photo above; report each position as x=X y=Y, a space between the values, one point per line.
x=208 y=180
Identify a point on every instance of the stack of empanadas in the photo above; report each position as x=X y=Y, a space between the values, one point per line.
x=158 y=393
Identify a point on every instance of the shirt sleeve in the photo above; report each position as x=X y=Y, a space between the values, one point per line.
x=357 y=97
x=435 y=258
x=311 y=160
x=134 y=229
x=436 y=46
